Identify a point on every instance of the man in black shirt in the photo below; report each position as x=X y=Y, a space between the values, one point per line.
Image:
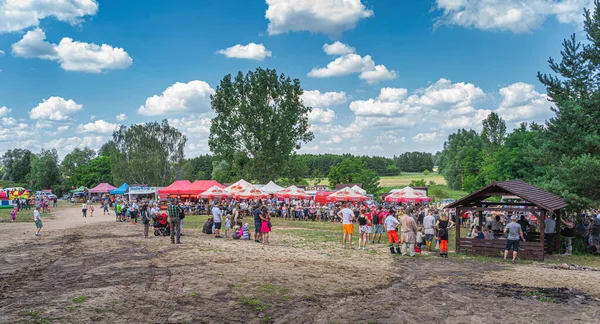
x=257 y=223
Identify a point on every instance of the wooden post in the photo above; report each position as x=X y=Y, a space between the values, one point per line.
x=557 y=215
x=480 y=215
x=542 y=220
x=457 y=225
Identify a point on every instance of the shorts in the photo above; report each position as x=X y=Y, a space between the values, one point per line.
x=512 y=244
x=363 y=229
x=429 y=237
x=348 y=228
x=257 y=226
x=369 y=229
x=217 y=226
x=38 y=224
x=378 y=229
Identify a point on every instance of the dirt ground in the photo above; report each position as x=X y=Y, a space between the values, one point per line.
x=85 y=270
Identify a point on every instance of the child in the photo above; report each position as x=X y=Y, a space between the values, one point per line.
x=420 y=239
x=91 y=209
x=238 y=232
x=246 y=232
x=227 y=225
x=13 y=214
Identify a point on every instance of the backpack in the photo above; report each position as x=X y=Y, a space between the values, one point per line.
x=207 y=228
x=375 y=218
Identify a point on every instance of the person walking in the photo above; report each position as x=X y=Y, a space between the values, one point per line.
x=569 y=233
x=37 y=219
x=442 y=226
x=181 y=218
x=377 y=225
x=409 y=234
x=429 y=226
x=91 y=209
x=257 y=223
x=549 y=233
x=514 y=233
x=84 y=209
x=217 y=218
x=363 y=230
x=105 y=207
x=391 y=223
x=173 y=211
x=146 y=217
x=347 y=217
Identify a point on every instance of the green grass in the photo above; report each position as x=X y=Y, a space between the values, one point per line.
x=80 y=299
x=257 y=304
x=24 y=216
x=402 y=180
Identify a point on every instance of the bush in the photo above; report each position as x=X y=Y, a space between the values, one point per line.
x=426 y=172
x=417 y=183
x=438 y=193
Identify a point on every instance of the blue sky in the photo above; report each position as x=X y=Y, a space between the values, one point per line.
x=399 y=75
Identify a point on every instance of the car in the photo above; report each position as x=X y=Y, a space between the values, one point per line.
x=45 y=195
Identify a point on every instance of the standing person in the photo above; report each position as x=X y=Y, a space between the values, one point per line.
x=363 y=231
x=55 y=202
x=181 y=218
x=264 y=226
x=91 y=209
x=118 y=211
x=514 y=235
x=217 y=217
x=549 y=232
x=105 y=207
x=146 y=217
x=257 y=223
x=442 y=226
x=429 y=226
x=391 y=223
x=37 y=219
x=13 y=216
x=173 y=211
x=347 y=217
x=84 y=209
x=409 y=234
x=377 y=225
x=569 y=233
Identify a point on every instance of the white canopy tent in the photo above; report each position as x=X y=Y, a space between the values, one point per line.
x=238 y=186
x=271 y=188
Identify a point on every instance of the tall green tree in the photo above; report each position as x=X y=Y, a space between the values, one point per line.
x=150 y=153
x=462 y=160
x=16 y=165
x=494 y=131
x=202 y=166
x=353 y=170
x=44 y=169
x=573 y=134
x=77 y=158
x=97 y=171
x=260 y=115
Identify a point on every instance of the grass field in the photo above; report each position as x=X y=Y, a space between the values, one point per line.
x=405 y=178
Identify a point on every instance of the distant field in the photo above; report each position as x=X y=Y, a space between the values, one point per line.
x=405 y=178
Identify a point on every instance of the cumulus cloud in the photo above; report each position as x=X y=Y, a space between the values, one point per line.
x=55 y=109
x=179 y=98
x=251 y=51
x=1 y=53
x=65 y=145
x=338 y=48
x=315 y=98
x=425 y=137
x=72 y=55
x=121 y=117
x=197 y=129
x=522 y=103
x=517 y=16
x=330 y=17
x=353 y=63
x=4 y=111
x=321 y=116
x=390 y=137
x=17 y=15
x=98 y=127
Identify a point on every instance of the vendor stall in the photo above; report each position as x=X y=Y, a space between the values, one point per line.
x=121 y=190
x=347 y=194
x=214 y=192
x=407 y=195
x=238 y=186
x=101 y=189
x=292 y=192
x=143 y=192
x=174 y=189
x=271 y=188
x=250 y=193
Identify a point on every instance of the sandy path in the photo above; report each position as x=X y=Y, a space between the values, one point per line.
x=64 y=218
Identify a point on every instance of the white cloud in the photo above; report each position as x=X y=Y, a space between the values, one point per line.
x=1 y=53
x=521 y=103
x=373 y=148
x=72 y=55
x=517 y=16
x=471 y=121
x=192 y=125
x=321 y=116
x=98 y=127
x=93 y=117
x=55 y=109
x=425 y=137
x=335 y=139
x=121 y=117
x=344 y=65
x=390 y=137
x=179 y=98
x=16 y=15
x=338 y=48
x=62 y=129
x=315 y=98
x=330 y=17
x=65 y=145
x=251 y=51
x=380 y=73
x=4 y=111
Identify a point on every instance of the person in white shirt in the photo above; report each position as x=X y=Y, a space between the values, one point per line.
x=391 y=223
x=429 y=226
x=347 y=216
x=37 y=218
x=217 y=213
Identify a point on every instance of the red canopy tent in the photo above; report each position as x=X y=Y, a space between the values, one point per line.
x=102 y=188
x=214 y=192
x=321 y=197
x=200 y=186
x=251 y=193
x=292 y=192
x=347 y=194
x=174 y=188
x=407 y=194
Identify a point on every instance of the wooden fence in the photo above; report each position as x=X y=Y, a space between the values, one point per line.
x=495 y=248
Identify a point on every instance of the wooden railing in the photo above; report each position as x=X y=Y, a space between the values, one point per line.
x=495 y=248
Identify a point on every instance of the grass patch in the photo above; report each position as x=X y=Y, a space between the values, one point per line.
x=257 y=304
x=99 y=310
x=80 y=299
x=24 y=216
x=542 y=297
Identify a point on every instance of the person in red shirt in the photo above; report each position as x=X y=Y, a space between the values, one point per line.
x=369 y=216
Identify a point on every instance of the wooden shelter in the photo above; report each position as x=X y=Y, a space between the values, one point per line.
x=538 y=202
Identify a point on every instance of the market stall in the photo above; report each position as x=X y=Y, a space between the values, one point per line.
x=271 y=188
x=250 y=193
x=214 y=192
x=407 y=195
x=101 y=189
x=174 y=189
x=121 y=190
x=143 y=192
x=292 y=192
x=198 y=187
x=238 y=186
x=347 y=194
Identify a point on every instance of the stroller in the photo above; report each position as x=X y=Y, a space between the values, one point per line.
x=161 y=226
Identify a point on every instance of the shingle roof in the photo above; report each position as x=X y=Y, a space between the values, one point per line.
x=519 y=188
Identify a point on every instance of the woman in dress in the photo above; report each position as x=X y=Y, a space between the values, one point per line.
x=363 y=230
x=264 y=226
x=442 y=226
